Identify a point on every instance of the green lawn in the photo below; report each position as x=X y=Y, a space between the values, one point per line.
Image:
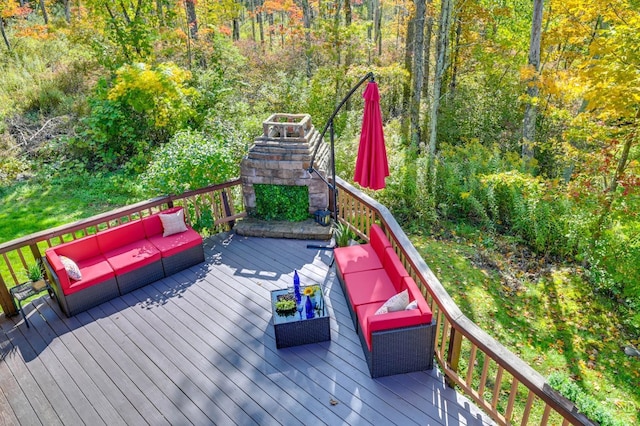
x=550 y=317
x=32 y=206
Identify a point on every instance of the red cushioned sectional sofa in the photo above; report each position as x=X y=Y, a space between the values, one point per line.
x=120 y=259
x=393 y=342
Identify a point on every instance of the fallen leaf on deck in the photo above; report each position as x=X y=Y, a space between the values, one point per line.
x=333 y=402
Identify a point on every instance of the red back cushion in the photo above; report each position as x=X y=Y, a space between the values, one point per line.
x=394 y=268
x=120 y=235
x=80 y=249
x=378 y=240
x=153 y=225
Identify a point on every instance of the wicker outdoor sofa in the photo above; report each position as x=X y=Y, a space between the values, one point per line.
x=390 y=314
x=94 y=269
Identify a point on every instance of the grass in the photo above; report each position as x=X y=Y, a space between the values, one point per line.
x=551 y=320
x=35 y=205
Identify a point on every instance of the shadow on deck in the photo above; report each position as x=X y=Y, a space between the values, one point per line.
x=199 y=348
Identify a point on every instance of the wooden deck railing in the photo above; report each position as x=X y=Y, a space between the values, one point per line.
x=503 y=385
x=210 y=208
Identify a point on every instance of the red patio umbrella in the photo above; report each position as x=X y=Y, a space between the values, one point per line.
x=371 y=165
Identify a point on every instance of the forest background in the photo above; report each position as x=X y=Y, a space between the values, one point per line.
x=511 y=127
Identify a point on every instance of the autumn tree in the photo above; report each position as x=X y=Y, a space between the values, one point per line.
x=531 y=109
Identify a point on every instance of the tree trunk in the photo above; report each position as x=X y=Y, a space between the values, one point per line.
x=192 y=18
x=306 y=19
x=260 y=20
x=531 y=109
x=454 y=62
x=236 y=29
x=253 y=20
x=160 y=13
x=406 y=86
x=427 y=51
x=378 y=32
x=4 y=35
x=270 y=21
x=44 y=13
x=347 y=23
x=67 y=11
x=611 y=189
x=370 y=18
x=444 y=29
x=418 y=68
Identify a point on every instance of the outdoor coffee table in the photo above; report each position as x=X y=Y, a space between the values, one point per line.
x=294 y=328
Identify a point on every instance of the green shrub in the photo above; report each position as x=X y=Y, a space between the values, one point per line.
x=190 y=160
x=282 y=202
x=142 y=108
x=585 y=403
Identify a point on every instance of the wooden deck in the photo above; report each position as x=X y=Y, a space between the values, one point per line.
x=199 y=348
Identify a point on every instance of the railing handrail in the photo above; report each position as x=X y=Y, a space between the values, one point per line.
x=506 y=359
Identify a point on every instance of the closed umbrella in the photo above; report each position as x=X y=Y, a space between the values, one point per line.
x=371 y=165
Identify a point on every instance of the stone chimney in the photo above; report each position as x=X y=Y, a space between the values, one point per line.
x=282 y=155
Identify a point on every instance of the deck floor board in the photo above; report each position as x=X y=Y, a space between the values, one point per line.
x=199 y=348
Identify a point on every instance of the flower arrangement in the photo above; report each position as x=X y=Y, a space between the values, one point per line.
x=285 y=303
x=311 y=290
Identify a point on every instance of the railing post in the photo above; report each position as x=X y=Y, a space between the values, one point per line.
x=35 y=251
x=453 y=354
x=5 y=299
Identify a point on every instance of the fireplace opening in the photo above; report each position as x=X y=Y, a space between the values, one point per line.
x=281 y=202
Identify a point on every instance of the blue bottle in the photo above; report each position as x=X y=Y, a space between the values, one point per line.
x=309 y=308
x=296 y=286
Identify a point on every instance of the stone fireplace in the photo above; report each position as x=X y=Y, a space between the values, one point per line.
x=282 y=155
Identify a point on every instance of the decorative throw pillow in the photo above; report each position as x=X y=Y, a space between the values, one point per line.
x=173 y=223
x=71 y=267
x=395 y=303
x=411 y=306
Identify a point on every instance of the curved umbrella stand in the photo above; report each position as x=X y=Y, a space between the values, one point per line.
x=361 y=168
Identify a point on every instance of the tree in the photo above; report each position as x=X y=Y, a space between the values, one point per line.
x=192 y=18
x=533 y=88
x=444 y=29
x=418 y=69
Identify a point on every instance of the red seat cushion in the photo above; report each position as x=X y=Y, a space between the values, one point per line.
x=94 y=271
x=368 y=286
x=356 y=258
x=369 y=322
x=168 y=246
x=132 y=256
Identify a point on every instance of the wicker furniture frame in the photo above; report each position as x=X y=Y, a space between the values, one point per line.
x=300 y=331
x=140 y=277
x=182 y=260
x=84 y=299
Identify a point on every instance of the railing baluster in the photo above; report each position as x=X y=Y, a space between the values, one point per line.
x=527 y=409
x=512 y=399
x=545 y=415
x=443 y=341
x=472 y=362
x=496 y=388
x=483 y=376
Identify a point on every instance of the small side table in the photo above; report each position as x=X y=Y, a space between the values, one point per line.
x=22 y=292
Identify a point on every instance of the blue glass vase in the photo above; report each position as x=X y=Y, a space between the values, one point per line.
x=296 y=286
x=309 y=308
